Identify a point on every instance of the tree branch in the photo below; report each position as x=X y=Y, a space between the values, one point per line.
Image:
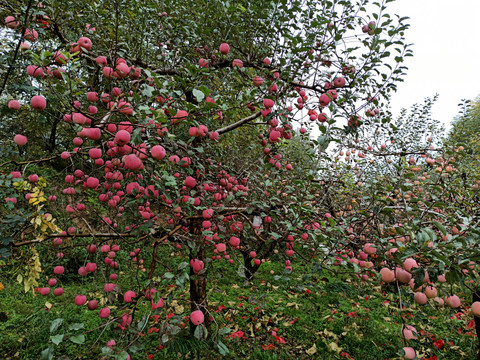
x=10 y=68
x=239 y=123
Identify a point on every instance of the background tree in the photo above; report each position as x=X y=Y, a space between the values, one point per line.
x=464 y=132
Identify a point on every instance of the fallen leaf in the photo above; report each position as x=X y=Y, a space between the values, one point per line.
x=334 y=347
x=312 y=350
x=177 y=308
x=293 y=305
x=250 y=329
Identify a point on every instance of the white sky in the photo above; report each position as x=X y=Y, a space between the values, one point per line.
x=446 y=59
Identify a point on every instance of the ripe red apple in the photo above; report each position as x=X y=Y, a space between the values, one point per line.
x=475 y=308
x=122 y=69
x=197 y=317
x=122 y=137
x=80 y=300
x=431 y=292
x=92 y=304
x=453 y=301
x=234 y=241
x=20 y=140
x=409 y=264
x=179 y=116
x=224 y=48
x=420 y=298
x=190 y=182
x=128 y=296
x=203 y=63
x=268 y=103
x=59 y=58
x=44 y=291
x=388 y=275
x=158 y=152
x=237 y=63
x=104 y=313
x=11 y=22
x=38 y=102
x=257 y=81
x=31 y=35
x=324 y=100
x=35 y=71
x=339 y=82
x=58 y=291
x=410 y=353
x=85 y=43
x=101 y=60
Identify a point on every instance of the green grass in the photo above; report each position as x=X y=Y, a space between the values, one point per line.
x=314 y=317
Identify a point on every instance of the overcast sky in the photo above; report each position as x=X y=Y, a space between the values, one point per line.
x=446 y=44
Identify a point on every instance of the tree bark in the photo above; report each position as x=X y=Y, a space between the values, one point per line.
x=198 y=282
x=476 y=297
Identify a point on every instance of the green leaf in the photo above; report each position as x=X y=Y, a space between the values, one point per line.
x=222 y=348
x=440 y=227
x=182 y=265
x=224 y=331
x=56 y=324
x=106 y=350
x=56 y=339
x=199 y=333
x=47 y=354
x=147 y=90
x=78 y=339
x=452 y=276
x=199 y=95
x=142 y=323
x=122 y=356
x=76 y=326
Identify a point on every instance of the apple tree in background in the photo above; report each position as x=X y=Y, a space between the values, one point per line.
x=407 y=199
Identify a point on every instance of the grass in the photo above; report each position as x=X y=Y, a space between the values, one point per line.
x=304 y=315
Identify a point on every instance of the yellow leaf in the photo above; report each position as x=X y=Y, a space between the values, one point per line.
x=293 y=305
x=334 y=347
x=48 y=305
x=250 y=328
x=1 y=286
x=20 y=278
x=312 y=350
x=177 y=308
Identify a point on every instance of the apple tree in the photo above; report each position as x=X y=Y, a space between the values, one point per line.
x=136 y=129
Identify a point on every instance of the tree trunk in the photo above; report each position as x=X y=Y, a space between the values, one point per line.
x=198 y=283
x=476 y=297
